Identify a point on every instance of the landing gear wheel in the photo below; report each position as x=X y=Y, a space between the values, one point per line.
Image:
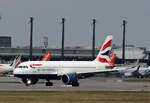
x=48 y=84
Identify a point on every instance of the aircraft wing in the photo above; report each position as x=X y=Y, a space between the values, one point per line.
x=82 y=73
x=99 y=71
x=88 y=74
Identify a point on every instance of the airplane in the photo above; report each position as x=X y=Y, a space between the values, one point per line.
x=68 y=71
x=138 y=72
x=144 y=72
x=129 y=71
x=8 y=68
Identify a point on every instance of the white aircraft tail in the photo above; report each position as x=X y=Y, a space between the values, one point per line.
x=104 y=53
x=16 y=62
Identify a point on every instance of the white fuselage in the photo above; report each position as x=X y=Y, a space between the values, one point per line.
x=60 y=67
x=5 y=68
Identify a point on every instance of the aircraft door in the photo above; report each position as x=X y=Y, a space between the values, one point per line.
x=59 y=69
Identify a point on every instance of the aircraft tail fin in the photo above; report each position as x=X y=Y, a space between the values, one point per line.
x=104 y=53
x=47 y=57
x=16 y=62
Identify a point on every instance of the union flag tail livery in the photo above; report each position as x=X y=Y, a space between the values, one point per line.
x=104 y=53
x=112 y=60
x=47 y=57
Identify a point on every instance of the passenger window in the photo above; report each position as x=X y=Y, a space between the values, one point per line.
x=23 y=67
x=32 y=66
x=20 y=67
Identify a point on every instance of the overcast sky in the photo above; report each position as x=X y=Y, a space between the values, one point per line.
x=79 y=14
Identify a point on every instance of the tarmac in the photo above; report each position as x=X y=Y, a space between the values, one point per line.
x=89 y=84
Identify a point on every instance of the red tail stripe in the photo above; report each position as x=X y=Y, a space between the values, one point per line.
x=111 y=63
x=36 y=65
x=108 y=44
x=113 y=57
x=18 y=63
x=103 y=60
x=1 y=65
x=47 y=57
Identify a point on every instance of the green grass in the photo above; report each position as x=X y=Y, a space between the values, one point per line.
x=74 y=97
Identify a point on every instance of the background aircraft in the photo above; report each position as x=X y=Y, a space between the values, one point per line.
x=138 y=71
x=144 y=72
x=129 y=71
x=47 y=57
x=8 y=68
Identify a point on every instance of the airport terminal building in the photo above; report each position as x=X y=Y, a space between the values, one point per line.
x=76 y=53
x=5 y=41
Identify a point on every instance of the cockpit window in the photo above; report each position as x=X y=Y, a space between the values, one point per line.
x=23 y=67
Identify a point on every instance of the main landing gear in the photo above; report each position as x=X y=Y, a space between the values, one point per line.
x=48 y=83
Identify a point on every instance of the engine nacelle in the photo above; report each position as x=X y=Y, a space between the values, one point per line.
x=29 y=81
x=70 y=79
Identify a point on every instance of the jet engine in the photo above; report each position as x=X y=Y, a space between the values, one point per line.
x=29 y=81
x=70 y=79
